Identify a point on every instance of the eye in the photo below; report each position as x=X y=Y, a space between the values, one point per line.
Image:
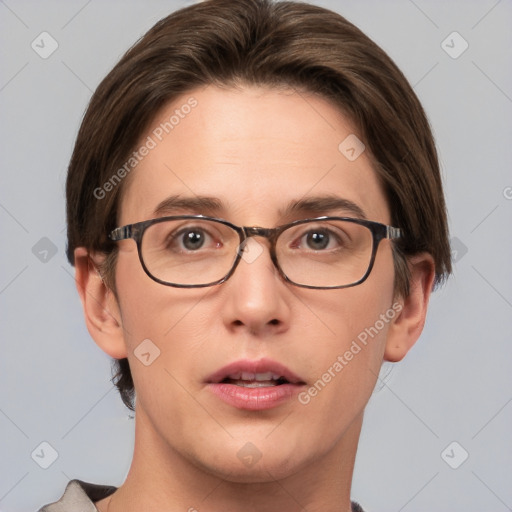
x=191 y=239
x=320 y=239
x=317 y=240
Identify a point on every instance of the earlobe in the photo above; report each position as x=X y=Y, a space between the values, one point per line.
x=101 y=309
x=407 y=327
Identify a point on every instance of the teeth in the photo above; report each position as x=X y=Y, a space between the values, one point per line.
x=259 y=377
x=255 y=384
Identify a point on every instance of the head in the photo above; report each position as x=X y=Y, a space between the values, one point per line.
x=249 y=102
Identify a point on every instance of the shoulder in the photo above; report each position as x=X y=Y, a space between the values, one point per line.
x=79 y=496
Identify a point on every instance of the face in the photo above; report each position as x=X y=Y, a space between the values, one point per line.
x=256 y=151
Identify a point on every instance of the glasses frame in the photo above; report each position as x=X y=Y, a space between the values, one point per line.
x=136 y=232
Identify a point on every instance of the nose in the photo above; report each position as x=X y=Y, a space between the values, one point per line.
x=256 y=295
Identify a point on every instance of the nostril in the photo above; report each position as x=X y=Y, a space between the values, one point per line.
x=275 y=321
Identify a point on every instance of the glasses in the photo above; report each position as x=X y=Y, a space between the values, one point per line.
x=193 y=251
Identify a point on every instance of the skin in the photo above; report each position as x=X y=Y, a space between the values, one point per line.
x=255 y=149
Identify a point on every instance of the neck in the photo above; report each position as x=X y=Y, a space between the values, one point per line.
x=160 y=478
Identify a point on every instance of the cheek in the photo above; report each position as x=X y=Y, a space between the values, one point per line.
x=344 y=378
x=347 y=363
x=149 y=310
x=162 y=345
x=158 y=331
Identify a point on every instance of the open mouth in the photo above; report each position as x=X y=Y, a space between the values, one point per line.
x=254 y=385
x=255 y=374
x=255 y=380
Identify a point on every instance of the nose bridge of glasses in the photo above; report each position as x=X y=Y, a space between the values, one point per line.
x=251 y=252
x=258 y=231
x=253 y=231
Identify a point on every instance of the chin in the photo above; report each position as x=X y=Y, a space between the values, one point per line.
x=245 y=463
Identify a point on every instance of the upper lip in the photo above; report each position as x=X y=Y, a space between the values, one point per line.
x=261 y=366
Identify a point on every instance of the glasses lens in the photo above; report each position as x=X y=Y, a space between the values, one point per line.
x=189 y=251
x=329 y=253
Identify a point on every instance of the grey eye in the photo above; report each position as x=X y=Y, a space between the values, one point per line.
x=317 y=240
x=193 y=239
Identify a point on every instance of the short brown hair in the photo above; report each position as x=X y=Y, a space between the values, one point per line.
x=259 y=42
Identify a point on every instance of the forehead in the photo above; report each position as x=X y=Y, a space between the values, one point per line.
x=256 y=150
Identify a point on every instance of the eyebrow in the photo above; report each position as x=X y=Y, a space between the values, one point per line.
x=322 y=205
x=197 y=205
x=212 y=206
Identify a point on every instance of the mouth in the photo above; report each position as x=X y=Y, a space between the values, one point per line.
x=255 y=385
x=255 y=380
x=256 y=374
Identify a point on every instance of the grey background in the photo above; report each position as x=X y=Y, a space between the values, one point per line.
x=454 y=385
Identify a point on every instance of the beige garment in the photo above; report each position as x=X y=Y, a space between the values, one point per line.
x=79 y=497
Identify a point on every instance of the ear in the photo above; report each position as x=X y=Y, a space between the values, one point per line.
x=408 y=325
x=101 y=309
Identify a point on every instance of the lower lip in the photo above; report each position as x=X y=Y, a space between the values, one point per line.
x=254 y=399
